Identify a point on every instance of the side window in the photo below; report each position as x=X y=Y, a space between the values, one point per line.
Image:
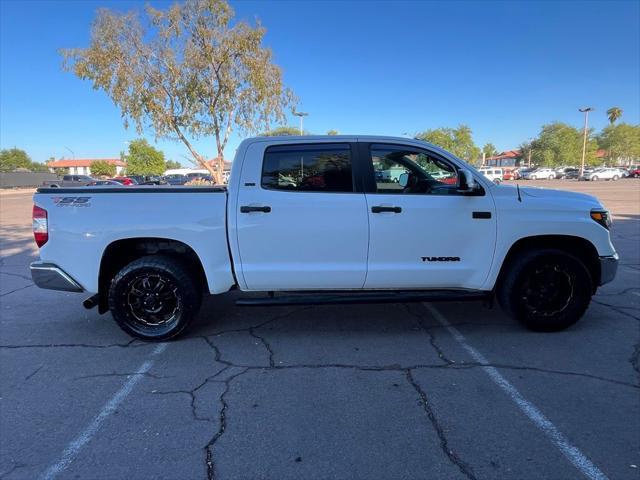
x=408 y=170
x=66 y=177
x=308 y=168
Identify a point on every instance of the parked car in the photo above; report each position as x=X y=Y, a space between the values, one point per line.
x=137 y=178
x=155 y=182
x=540 y=174
x=125 y=181
x=567 y=173
x=604 y=174
x=493 y=174
x=521 y=171
x=509 y=175
x=69 y=181
x=149 y=261
x=101 y=183
x=176 y=179
x=634 y=172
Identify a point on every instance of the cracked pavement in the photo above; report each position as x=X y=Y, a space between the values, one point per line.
x=353 y=392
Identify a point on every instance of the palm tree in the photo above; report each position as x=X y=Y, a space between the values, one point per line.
x=614 y=113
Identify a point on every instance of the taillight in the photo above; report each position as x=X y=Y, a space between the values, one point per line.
x=40 y=225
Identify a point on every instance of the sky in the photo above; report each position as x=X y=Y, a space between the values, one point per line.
x=359 y=67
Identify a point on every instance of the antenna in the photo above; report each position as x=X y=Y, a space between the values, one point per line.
x=518 y=189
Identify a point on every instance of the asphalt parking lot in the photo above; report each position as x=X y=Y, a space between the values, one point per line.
x=396 y=391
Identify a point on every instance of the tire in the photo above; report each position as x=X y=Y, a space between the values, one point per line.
x=594 y=178
x=54 y=186
x=533 y=177
x=497 y=181
x=551 y=177
x=547 y=290
x=615 y=178
x=154 y=298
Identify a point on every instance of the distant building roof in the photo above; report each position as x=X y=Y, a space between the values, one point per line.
x=506 y=154
x=84 y=162
x=601 y=153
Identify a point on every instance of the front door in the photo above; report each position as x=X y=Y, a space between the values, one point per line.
x=423 y=233
x=300 y=222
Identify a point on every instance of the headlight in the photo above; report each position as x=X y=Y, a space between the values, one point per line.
x=603 y=217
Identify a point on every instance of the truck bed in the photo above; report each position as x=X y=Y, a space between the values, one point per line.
x=85 y=221
x=138 y=189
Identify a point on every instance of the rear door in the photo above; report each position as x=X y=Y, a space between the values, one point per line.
x=301 y=223
x=425 y=234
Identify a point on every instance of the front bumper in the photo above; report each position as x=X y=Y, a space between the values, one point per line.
x=52 y=277
x=608 y=268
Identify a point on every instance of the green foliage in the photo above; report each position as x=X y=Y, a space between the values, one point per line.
x=143 y=159
x=561 y=144
x=525 y=149
x=185 y=71
x=102 y=168
x=613 y=114
x=489 y=150
x=621 y=141
x=14 y=158
x=458 y=141
x=38 y=167
x=172 y=164
x=333 y=132
x=282 y=131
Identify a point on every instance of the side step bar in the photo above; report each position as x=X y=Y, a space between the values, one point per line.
x=343 y=298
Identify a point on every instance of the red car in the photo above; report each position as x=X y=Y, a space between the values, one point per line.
x=635 y=173
x=124 y=181
x=509 y=175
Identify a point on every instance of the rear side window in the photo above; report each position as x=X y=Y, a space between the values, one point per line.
x=308 y=168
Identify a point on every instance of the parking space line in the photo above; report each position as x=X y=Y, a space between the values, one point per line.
x=571 y=452
x=74 y=447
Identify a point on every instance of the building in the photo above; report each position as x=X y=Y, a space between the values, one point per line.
x=83 y=166
x=510 y=158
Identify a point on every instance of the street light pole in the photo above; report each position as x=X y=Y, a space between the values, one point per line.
x=301 y=115
x=586 y=111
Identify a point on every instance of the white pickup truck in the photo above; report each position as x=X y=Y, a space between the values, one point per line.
x=311 y=220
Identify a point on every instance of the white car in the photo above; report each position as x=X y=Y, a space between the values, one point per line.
x=605 y=174
x=541 y=174
x=496 y=175
x=305 y=220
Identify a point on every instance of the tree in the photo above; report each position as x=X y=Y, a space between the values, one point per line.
x=282 y=131
x=489 y=150
x=143 y=159
x=622 y=142
x=561 y=144
x=333 y=132
x=526 y=150
x=172 y=164
x=184 y=72
x=103 y=168
x=14 y=158
x=458 y=141
x=38 y=167
x=613 y=114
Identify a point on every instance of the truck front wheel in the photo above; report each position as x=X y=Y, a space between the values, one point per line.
x=547 y=290
x=154 y=298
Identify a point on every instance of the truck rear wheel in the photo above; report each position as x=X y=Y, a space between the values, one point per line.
x=154 y=298
x=547 y=290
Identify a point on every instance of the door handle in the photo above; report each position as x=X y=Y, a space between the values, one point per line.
x=250 y=208
x=381 y=209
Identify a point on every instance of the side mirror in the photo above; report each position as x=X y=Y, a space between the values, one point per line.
x=466 y=182
x=403 y=180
